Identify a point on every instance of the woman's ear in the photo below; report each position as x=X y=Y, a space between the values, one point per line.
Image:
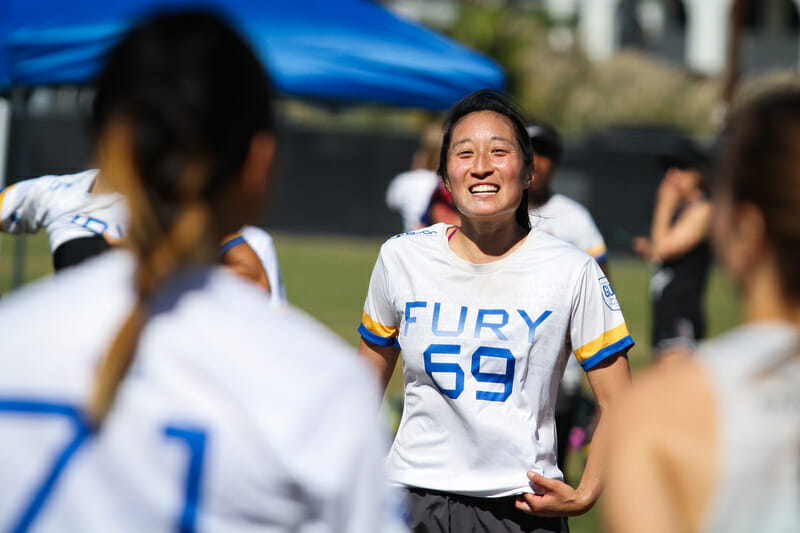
x=747 y=244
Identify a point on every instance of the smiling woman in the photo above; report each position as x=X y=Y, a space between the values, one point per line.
x=486 y=314
x=484 y=172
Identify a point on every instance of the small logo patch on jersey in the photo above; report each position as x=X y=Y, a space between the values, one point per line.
x=609 y=296
x=417 y=232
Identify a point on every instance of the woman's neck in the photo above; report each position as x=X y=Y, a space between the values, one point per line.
x=764 y=299
x=100 y=186
x=487 y=242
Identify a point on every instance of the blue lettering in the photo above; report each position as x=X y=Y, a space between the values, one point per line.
x=92 y=224
x=445 y=368
x=506 y=378
x=411 y=319
x=461 y=321
x=481 y=323
x=532 y=325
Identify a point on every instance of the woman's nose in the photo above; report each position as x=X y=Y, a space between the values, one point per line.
x=481 y=166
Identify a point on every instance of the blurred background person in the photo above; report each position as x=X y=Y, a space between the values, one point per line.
x=712 y=443
x=166 y=393
x=678 y=248
x=441 y=208
x=568 y=220
x=80 y=213
x=251 y=254
x=409 y=192
x=556 y=213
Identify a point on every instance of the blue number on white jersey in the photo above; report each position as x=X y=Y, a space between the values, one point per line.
x=193 y=438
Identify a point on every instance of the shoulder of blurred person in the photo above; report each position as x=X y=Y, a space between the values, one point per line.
x=663 y=428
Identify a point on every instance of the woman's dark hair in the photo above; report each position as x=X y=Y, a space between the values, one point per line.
x=192 y=95
x=760 y=165
x=489 y=100
x=190 y=88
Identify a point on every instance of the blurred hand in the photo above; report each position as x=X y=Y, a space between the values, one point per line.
x=669 y=190
x=559 y=499
x=642 y=246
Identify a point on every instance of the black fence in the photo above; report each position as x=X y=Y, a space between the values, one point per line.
x=334 y=182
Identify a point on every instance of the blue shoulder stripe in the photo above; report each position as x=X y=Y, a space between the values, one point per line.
x=611 y=349
x=377 y=339
x=230 y=244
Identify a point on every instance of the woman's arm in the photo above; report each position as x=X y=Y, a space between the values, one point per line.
x=609 y=380
x=382 y=358
x=673 y=240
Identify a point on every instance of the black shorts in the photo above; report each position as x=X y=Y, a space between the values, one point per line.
x=443 y=512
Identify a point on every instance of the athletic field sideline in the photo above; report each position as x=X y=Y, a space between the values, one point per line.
x=328 y=277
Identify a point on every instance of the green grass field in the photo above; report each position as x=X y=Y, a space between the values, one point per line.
x=328 y=278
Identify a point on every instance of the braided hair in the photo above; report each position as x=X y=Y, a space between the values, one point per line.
x=187 y=95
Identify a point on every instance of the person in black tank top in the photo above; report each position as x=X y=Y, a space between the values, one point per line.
x=679 y=249
x=677 y=292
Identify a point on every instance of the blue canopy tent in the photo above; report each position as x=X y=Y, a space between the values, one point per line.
x=343 y=50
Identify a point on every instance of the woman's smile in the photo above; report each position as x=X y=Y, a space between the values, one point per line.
x=485 y=168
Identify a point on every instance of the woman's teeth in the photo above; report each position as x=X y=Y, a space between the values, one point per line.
x=483 y=188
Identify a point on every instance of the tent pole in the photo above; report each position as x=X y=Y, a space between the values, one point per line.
x=5 y=124
x=19 y=107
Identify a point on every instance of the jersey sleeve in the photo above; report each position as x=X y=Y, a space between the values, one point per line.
x=379 y=323
x=229 y=242
x=21 y=206
x=261 y=242
x=589 y=239
x=597 y=327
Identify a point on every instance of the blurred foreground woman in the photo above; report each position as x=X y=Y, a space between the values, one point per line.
x=712 y=443
x=149 y=390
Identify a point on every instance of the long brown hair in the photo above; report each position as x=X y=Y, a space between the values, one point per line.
x=760 y=165
x=190 y=95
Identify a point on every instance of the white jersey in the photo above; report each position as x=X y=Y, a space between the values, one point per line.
x=568 y=220
x=234 y=417
x=64 y=207
x=755 y=377
x=483 y=349
x=261 y=243
x=410 y=193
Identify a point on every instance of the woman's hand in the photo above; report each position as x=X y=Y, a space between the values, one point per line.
x=641 y=245
x=559 y=499
x=669 y=190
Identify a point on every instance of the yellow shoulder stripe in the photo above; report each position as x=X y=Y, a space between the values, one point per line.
x=377 y=328
x=229 y=238
x=606 y=339
x=2 y=194
x=597 y=251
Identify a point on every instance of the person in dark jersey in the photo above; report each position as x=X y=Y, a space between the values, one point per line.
x=678 y=248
